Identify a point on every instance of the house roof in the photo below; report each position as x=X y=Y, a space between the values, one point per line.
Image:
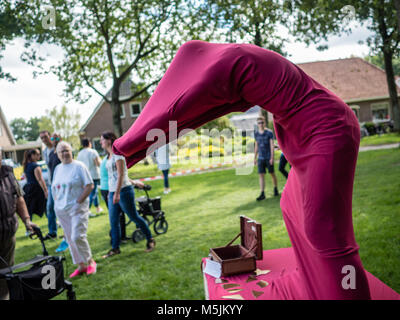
x=25 y=146
x=9 y=131
x=350 y=79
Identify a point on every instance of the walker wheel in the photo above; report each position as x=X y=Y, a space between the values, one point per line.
x=138 y=236
x=161 y=226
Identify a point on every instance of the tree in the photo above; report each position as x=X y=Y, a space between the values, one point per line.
x=107 y=41
x=25 y=131
x=397 y=5
x=18 y=18
x=385 y=40
x=46 y=124
x=253 y=21
x=380 y=62
x=64 y=122
x=316 y=19
x=32 y=129
x=18 y=126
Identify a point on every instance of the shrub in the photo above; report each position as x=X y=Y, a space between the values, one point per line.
x=371 y=128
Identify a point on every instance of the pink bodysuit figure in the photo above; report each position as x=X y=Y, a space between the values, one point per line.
x=318 y=133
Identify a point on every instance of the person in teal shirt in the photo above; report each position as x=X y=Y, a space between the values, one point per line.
x=104 y=180
x=104 y=194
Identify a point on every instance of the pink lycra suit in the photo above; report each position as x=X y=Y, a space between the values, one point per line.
x=318 y=133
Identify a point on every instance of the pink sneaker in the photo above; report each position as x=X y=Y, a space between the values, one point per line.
x=77 y=272
x=92 y=268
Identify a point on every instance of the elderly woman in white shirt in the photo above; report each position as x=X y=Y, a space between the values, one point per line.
x=71 y=187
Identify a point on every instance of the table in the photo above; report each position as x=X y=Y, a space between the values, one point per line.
x=282 y=266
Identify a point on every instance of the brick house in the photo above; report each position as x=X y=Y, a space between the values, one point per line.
x=101 y=118
x=360 y=84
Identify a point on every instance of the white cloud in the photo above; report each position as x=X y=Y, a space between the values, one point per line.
x=29 y=97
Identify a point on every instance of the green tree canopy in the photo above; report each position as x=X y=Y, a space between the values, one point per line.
x=314 y=20
x=18 y=127
x=380 y=62
x=26 y=130
x=253 y=21
x=109 y=41
x=64 y=122
x=19 y=18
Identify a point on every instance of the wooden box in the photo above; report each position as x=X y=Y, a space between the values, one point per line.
x=235 y=259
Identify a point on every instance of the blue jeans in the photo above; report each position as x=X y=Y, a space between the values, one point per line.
x=51 y=215
x=127 y=205
x=94 y=197
x=166 y=182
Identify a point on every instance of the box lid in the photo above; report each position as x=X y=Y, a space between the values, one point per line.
x=251 y=236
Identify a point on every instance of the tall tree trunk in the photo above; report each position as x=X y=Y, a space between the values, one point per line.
x=116 y=114
x=394 y=100
x=116 y=108
x=388 y=52
x=397 y=5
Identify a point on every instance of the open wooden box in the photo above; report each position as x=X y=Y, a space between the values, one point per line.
x=241 y=258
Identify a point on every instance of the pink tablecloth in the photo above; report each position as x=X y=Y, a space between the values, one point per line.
x=283 y=274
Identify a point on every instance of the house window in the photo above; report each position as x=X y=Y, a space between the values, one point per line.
x=380 y=111
x=122 y=111
x=135 y=109
x=356 y=110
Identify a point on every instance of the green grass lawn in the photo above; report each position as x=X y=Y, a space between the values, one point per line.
x=203 y=212
x=387 y=138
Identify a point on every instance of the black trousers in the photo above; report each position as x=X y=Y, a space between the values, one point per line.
x=282 y=165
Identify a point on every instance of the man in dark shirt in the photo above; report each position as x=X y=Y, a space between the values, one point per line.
x=53 y=162
x=264 y=155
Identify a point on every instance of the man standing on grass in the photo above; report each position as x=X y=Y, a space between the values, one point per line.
x=51 y=216
x=92 y=161
x=264 y=149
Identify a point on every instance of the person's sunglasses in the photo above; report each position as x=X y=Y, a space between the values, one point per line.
x=57 y=139
x=260 y=122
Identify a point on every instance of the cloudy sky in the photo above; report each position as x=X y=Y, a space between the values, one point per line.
x=29 y=97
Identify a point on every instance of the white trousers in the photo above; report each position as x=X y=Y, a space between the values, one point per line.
x=75 y=224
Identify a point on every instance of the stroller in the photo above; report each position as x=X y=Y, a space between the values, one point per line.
x=150 y=210
x=43 y=281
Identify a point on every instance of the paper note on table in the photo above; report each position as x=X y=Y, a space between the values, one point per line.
x=234 y=297
x=213 y=268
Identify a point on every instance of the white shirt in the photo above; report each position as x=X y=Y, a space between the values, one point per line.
x=46 y=153
x=162 y=157
x=113 y=173
x=87 y=156
x=69 y=181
